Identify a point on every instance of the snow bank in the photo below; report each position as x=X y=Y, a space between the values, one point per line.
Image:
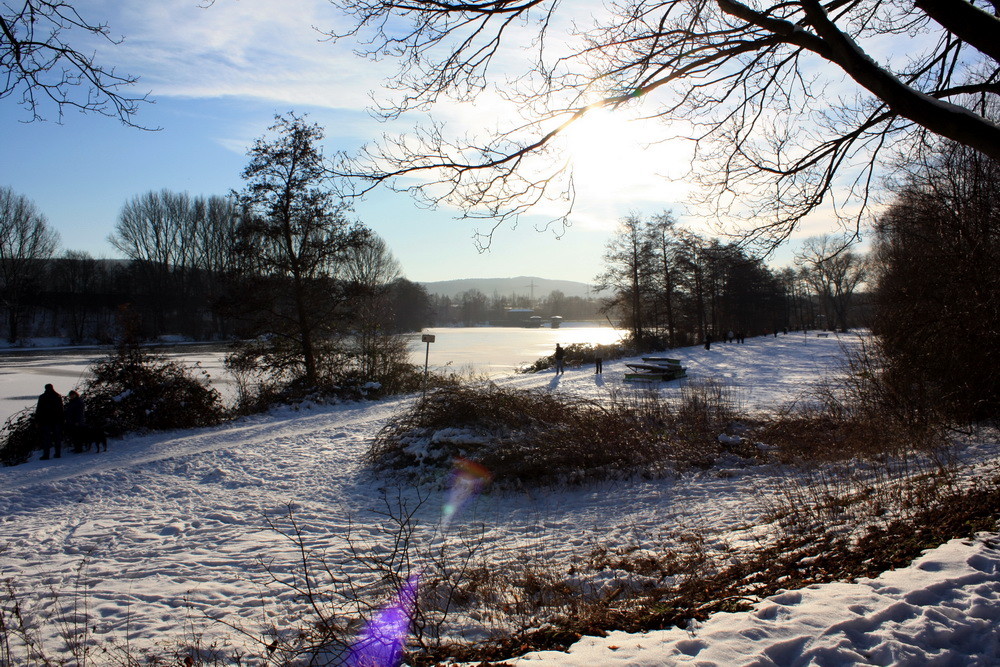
x=941 y=610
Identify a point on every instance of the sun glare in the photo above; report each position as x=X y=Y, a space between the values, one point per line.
x=600 y=143
x=617 y=159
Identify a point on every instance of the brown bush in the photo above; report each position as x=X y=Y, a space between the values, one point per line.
x=537 y=437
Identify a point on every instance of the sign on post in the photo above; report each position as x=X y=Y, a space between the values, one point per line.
x=426 y=338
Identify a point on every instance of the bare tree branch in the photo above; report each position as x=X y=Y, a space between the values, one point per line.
x=778 y=135
x=41 y=64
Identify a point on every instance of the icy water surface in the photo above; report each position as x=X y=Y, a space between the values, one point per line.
x=481 y=350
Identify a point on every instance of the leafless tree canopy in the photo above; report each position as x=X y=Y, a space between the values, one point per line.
x=936 y=280
x=834 y=273
x=790 y=104
x=26 y=241
x=43 y=64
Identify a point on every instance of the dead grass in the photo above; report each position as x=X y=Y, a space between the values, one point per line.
x=536 y=437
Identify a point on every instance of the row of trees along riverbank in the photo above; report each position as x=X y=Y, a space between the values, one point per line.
x=673 y=287
x=281 y=257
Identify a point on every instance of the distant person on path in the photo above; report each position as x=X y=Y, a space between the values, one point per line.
x=598 y=365
x=49 y=418
x=708 y=341
x=560 y=358
x=75 y=416
x=730 y=337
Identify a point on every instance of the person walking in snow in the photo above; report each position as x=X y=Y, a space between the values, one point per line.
x=708 y=341
x=560 y=358
x=598 y=365
x=49 y=419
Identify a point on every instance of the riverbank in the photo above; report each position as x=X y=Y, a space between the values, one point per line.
x=478 y=351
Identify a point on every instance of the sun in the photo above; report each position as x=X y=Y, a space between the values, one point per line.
x=600 y=144
x=616 y=154
x=618 y=149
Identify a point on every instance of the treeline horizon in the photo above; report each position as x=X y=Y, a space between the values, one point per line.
x=674 y=287
x=80 y=298
x=190 y=265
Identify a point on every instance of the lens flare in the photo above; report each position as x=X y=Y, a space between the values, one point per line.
x=383 y=640
x=468 y=479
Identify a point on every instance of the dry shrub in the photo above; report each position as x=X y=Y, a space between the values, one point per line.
x=130 y=390
x=18 y=437
x=133 y=390
x=537 y=437
x=863 y=413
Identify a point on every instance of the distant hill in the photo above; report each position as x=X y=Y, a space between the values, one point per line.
x=521 y=285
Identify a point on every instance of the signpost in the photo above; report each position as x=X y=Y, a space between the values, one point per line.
x=426 y=338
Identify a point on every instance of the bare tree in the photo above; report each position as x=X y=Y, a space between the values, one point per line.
x=299 y=235
x=629 y=265
x=26 y=242
x=42 y=64
x=790 y=104
x=834 y=273
x=214 y=232
x=79 y=276
x=151 y=228
x=154 y=231
x=371 y=264
x=371 y=269
x=662 y=238
x=937 y=277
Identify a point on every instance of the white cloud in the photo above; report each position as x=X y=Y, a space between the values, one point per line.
x=252 y=48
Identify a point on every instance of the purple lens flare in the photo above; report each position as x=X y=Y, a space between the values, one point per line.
x=382 y=642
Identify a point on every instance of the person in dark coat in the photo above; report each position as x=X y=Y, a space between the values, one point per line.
x=560 y=358
x=708 y=341
x=75 y=418
x=49 y=418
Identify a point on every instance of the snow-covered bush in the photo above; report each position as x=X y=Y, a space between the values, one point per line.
x=539 y=437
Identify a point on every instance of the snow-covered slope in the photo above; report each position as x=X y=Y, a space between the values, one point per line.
x=166 y=530
x=942 y=610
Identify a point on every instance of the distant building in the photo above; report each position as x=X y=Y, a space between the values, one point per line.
x=519 y=317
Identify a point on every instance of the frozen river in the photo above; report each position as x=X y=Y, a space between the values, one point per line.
x=482 y=350
x=501 y=350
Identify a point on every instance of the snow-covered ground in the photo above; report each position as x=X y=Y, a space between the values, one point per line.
x=166 y=530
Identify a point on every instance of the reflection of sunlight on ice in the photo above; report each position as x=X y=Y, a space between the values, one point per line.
x=501 y=350
x=593 y=335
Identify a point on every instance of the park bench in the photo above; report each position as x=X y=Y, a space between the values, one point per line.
x=655 y=369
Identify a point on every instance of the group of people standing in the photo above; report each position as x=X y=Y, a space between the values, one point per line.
x=560 y=358
x=52 y=417
x=730 y=337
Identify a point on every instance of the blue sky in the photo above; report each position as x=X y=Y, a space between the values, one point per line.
x=219 y=75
